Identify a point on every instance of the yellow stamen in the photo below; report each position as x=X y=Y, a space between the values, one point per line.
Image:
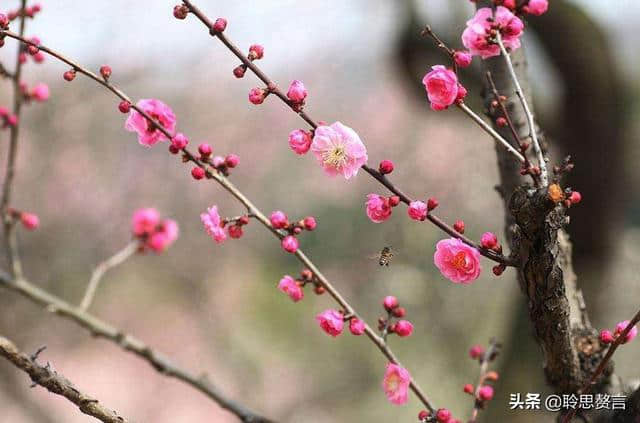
x=336 y=157
x=459 y=261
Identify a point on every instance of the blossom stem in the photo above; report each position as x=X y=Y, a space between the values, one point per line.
x=514 y=133
x=603 y=364
x=484 y=125
x=486 y=358
x=274 y=89
x=11 y=240
x=113 y=261
x=527 y=111
x=212 y=173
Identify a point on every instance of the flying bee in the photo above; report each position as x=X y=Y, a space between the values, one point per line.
x=385 y=256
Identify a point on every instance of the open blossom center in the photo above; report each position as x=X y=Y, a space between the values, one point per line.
x=336 y=157
x=393 y=382
x=459 y=261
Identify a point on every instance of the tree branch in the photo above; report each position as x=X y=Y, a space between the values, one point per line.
x=535 y=231
x=273 y=88
x=527 y=111
x=56 y=383
x=102 y=268
x=128 y=343
x=212 y=173
x=11 y=242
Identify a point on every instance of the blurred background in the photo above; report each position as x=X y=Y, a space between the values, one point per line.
x=215 y=308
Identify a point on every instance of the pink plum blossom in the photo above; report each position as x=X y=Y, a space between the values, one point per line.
x=620 y=327
x=290 y=286
x=442 y=87
x=396 y=384
x=257 y=95
x=300 y=141
x=537 y=7
x=164 y=236
x=145 y=221
x=339 y=150
x=417 y=210
x=290 y=244
x=279 y=219
x=378 y=208
x=147 y=132
x=462 y=58
x=476 y=36
x=457 y=261
x=606 y=336
x=40 y=92
x=356 y=326
x=404 y=328
x=331 y=321
x=489 y=240
x=30 y=221
x=213 y=224
x=485 y=393
x=297 y=92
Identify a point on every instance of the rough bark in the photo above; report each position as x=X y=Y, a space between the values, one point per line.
x=535 y=232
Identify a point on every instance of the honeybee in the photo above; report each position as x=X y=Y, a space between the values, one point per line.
x=385 y=256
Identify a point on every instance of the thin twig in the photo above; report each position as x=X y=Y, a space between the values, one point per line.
x=56 y=383
x=525 y=105
x=101 y=269
x=101 y=329
x=487 y=357
x=484 y=125
x=273 y=88
x=226 y=184
x=603 y=364
x=514 y=133
x=11 y=241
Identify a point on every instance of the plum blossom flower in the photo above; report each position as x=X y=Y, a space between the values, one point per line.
x=148 y=133
x=290 y=244
x=331 y=321
x=153 y=233
x=417 y=210
x=457 y=261
x=404 y=328
x=40 y=92
x=30 y=221
x=290 y=286
x=297 y=92
x=300 y=141
x=378 y=208
x=213 y=224
x=442 y=87
x=356 y=326
x=339 y=150
x=620 y=327
x=462 y=58
x=476 y=36
x=396 y=384
x=145 y=221
x=489 y=240
x=164 y=236
x=537 y=7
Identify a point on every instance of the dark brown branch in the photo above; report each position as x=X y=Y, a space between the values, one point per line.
x=55 y=383
x=128 y=343
x=273 y=88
